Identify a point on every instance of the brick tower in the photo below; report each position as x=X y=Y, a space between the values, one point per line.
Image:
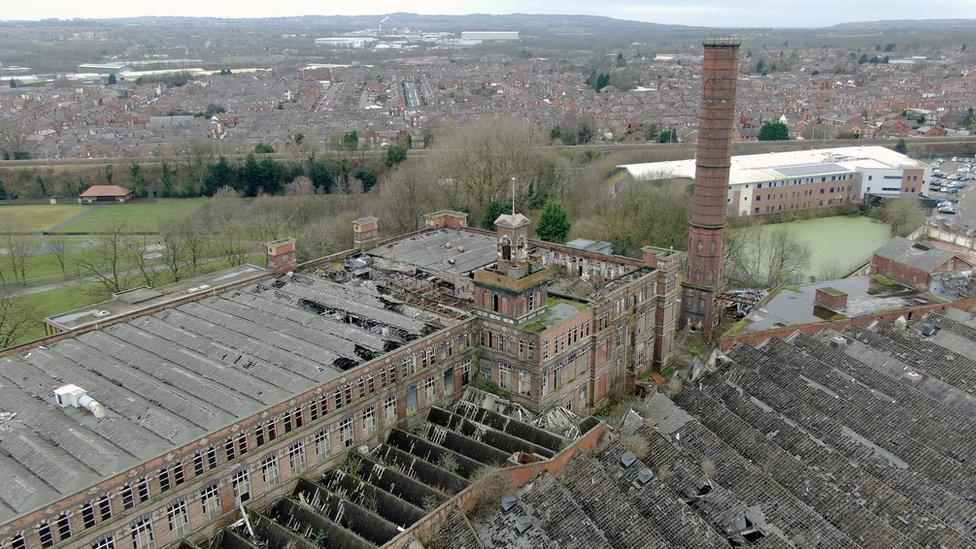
x=706 y=249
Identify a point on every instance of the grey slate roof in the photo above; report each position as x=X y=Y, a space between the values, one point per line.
x=442 y=250
x=914 y=254
x=176 y=375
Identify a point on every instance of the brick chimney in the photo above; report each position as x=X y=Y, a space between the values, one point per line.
x=366 y=233
x=831 y=298
x=281 y=255
x=705 y=276
x=446 y=219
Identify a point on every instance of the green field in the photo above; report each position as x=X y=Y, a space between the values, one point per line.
x=836 y=243
x=36 y=217
x=136 y=216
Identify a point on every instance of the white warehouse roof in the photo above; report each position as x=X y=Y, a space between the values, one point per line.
x=748 y=168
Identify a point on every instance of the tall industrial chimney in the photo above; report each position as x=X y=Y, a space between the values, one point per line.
x=706 y=249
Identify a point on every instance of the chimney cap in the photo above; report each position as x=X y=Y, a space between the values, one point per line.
x=732 y=41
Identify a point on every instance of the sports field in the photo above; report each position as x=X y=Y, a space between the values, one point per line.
x=137 y=216
x=36 y=217
x=836 y=243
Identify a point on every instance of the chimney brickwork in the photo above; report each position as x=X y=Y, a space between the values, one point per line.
x=706 y=248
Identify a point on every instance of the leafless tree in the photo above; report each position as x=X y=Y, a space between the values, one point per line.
x=105 y=263
x=194 y=242
x=141 y=254
x=174 y=256
x=16 y=318
x=18 y=254
x=300 y=186
x=765 y=256
x=477 y=161
x=408 y=192
x=60 y=249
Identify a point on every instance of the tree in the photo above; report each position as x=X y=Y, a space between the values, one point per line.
x=395 y=154
x=321 y=174
x=350 y=141
x=901 y=146
x=494 y=210
x=774 y=131
x=904 y=215
x=18 y=254
x=576 y=129
x=761 y=66
x=367 y=176
x=174 y=254
x=13 y=140
x=105 y=263
x=141 y=257
x=60 y=249
x=16 y=319
x=554 y=224
x=555 y=133
x=765 y=257
x=300 y=186
x=669 y=135
x=621 y=62
x=474 y=165
x=165 y=180
x=218 y=175
x=407 y=193
x=863 y=59
x=3 y=191
x=112 y=80
x=264 y=148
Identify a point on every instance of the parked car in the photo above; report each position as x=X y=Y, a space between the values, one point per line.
x=948 y=210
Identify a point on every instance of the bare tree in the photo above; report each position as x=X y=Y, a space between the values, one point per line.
x=105 y=263
x=18 y=254
x=141 y=256
x=59 y=249
x=765 y=256
x=476 y=162
x=194 y=242
x=16 y=318
x=409 y=192
x=904 y=215
x=232 y=244
x=300 y=186
x=174 y=256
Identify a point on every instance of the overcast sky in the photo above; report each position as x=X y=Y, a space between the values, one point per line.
x=757 y=13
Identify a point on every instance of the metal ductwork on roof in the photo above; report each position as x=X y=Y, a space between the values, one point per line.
x=75 y=396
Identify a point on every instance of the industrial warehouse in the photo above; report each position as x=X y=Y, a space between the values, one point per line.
x=433 y=390
x=774 y=183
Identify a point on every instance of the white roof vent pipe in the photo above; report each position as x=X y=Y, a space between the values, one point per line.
x=75 y=396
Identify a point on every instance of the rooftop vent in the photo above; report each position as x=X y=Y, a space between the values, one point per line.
x=76 y=397
x=522 y=525
x=628 y=459
x=838 y=342
x=508 y=503
x=919 y=246
x=928 y=330
x=644 y=476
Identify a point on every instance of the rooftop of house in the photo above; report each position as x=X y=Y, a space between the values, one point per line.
x=96 y=191
x=914 y=254
x=869 y=294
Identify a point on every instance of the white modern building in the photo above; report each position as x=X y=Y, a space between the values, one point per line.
x=340 y=42
x=799 y=180
x=487 y=36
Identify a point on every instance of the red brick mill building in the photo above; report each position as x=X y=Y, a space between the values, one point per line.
x=156 y=425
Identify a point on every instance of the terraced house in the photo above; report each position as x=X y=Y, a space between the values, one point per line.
x=155 y=421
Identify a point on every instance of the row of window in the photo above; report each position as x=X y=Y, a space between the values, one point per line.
x=175 y=474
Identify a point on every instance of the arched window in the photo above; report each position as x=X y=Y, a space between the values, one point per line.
x=506 y=248
x=494 y=302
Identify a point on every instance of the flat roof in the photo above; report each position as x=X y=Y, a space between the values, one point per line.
x=138 y=299
x=748 y=168
x=865 y=295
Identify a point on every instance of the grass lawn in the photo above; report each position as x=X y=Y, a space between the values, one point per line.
x=837 y=243
x=35 y=218
x=138 y=216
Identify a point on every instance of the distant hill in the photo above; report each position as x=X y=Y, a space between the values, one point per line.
x=906 y=24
